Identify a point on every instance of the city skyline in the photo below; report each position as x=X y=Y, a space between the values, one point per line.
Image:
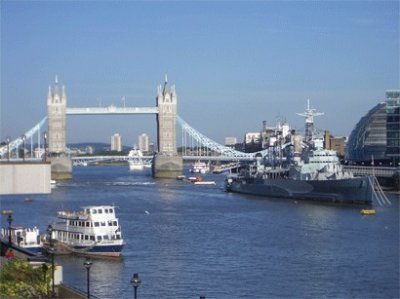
x=234 y=64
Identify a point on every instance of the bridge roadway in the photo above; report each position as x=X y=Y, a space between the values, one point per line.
x=111 y=110
x=89 y=159
x=357 y=170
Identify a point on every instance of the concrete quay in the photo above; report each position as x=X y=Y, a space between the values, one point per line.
x=25 y=178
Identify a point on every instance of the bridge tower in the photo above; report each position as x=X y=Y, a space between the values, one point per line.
x=166 y=163
x=166 y=119
x=61 y=166
x=56 y=117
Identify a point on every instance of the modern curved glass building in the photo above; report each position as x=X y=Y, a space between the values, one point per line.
x=377 y=135
x=367 y=141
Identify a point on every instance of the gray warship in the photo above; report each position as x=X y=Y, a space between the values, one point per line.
x=317 y=175
x=301 y=170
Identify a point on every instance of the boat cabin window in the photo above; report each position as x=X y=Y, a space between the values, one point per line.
x=106 y=211
x=92 y=238
x=111 y=211
x=87 y=211
x=98 y=238
x=110 y=223
x=96 y=224
x=86 y=237
x=87 y=224
x=105 y=238
x=94 y=211
x=118 y=237
x=115 y=223
x=100 y=211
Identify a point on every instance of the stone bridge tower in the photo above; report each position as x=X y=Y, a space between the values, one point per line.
x=61 y=165
x=166 y=163
x=166 y=120
x=56 y=119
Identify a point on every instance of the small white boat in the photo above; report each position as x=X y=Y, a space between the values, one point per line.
x=205 y=183
x=193 y=179
x=199 y=181
x=53 y=184
x=93 y=231
x=27 y=238
x=200 y=167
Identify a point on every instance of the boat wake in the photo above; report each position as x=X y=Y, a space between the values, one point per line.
x=130 y=183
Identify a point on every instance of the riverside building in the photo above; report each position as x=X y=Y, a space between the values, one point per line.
x=143 y=141
x=116 y=142
x=393 y=125
x=376 y=137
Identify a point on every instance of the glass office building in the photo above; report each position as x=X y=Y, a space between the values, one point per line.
x=393 y=125
x=377 y=135
x=367 y=141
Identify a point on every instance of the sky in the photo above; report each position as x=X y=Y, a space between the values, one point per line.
x=234 y=63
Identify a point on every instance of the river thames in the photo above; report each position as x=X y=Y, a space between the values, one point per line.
x=187 y=240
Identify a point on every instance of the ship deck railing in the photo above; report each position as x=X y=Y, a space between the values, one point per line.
x=73 y=215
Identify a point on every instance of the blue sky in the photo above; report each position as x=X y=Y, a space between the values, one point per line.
x=234 y=64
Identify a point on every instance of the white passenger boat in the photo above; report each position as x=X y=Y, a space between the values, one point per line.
x=27 y=238
x=135 y=160
x=200 y=167
x=93 y=231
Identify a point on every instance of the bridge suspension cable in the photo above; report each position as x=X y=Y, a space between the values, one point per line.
x=209 y=143
x=29 y=134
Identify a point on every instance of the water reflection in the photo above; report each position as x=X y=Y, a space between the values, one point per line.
x=104 y=273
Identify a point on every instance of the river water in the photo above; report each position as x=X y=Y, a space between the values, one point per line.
x=186 y=240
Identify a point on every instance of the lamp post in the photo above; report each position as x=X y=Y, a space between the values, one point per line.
x=51 y=251
x=8 y=140
x=135 y=281
x=9 y=220
x=45 y=144
x=44 y=269
x=23 y=148
x=87 y=265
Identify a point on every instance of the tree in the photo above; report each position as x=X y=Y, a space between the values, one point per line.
x=19 y=279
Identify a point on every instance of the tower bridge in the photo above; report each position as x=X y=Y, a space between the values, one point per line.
x=167 y=162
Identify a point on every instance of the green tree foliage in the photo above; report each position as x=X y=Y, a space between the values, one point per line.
x=19 y=279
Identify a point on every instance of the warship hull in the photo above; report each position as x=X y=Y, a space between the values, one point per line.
x=358 y=190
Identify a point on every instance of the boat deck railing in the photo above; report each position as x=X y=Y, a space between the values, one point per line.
x=73 y=215
x=380 y=171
